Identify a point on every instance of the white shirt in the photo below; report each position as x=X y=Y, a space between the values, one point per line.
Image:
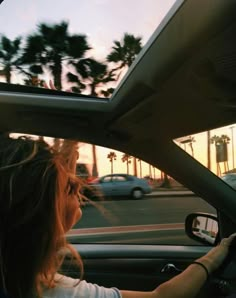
x=67 y=287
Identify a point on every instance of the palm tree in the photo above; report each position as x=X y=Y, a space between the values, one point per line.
x=10 y=51
x=111 y=156
x=97 y=75
x=217 y=140
x=154 y=173
x=126 y=158
x=92 y=74
x=52 y=47
x=135 y=166
x=191 y=141
x=123 y=55
x=221 y=143
x=107 y=92
x=72 y=78
x=33 y=80
x=125 y=51
x=150 y=171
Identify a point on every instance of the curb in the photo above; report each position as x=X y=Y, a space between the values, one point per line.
x=170 y=195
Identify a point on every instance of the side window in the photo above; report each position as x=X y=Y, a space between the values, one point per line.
x=107 y=179
x=150 y=211
x=119 y=179
x=157 y=217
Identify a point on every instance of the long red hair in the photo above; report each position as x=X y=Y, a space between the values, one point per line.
x=33 y=182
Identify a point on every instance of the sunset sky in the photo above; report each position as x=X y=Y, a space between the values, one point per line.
x=103 y=21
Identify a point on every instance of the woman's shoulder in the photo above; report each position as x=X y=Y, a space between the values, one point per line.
x=69 y=287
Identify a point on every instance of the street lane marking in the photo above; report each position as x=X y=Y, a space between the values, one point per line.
x=125 y=229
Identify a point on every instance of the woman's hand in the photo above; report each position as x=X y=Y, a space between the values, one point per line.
x=190 y=281
x=216 y=256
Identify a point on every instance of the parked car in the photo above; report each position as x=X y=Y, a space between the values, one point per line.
x=230 y=179
x=118 y=185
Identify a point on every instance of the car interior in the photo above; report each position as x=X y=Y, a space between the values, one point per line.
x=183 y=82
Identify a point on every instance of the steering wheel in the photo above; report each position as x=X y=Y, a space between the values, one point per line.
x=223 y=281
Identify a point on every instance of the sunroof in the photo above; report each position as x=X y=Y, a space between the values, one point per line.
x=85 y=46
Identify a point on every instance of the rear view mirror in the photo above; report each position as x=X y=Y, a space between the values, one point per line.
x=202 y=227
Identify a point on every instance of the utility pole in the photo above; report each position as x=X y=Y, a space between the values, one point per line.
x=209 y=149
x=135 y=166
x=232 y=139
x=150 y=171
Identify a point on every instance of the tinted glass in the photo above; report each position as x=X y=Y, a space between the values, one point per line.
x=215 y=149
x=115 y=213
x=79 y=45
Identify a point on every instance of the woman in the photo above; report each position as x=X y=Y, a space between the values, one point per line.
x=38 y=205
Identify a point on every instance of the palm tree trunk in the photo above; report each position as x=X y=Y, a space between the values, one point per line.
x=8 y=74
x=95 y=169
x=127 y=164
x=111 y=166
x=191 y=147
x=154 y=173
x=140 y=168
x=135 y=166
x=57 y=71
x=93 y=89
x=150 y=171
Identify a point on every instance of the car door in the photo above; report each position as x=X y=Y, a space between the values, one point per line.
x=121 y=185
x=138 y=268
x=106 y=185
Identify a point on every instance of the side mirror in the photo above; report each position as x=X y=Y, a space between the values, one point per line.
x=202 y=227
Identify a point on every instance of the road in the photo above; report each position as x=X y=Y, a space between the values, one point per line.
x=150 y=220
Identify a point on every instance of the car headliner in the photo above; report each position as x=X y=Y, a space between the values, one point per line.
x=183 y=82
